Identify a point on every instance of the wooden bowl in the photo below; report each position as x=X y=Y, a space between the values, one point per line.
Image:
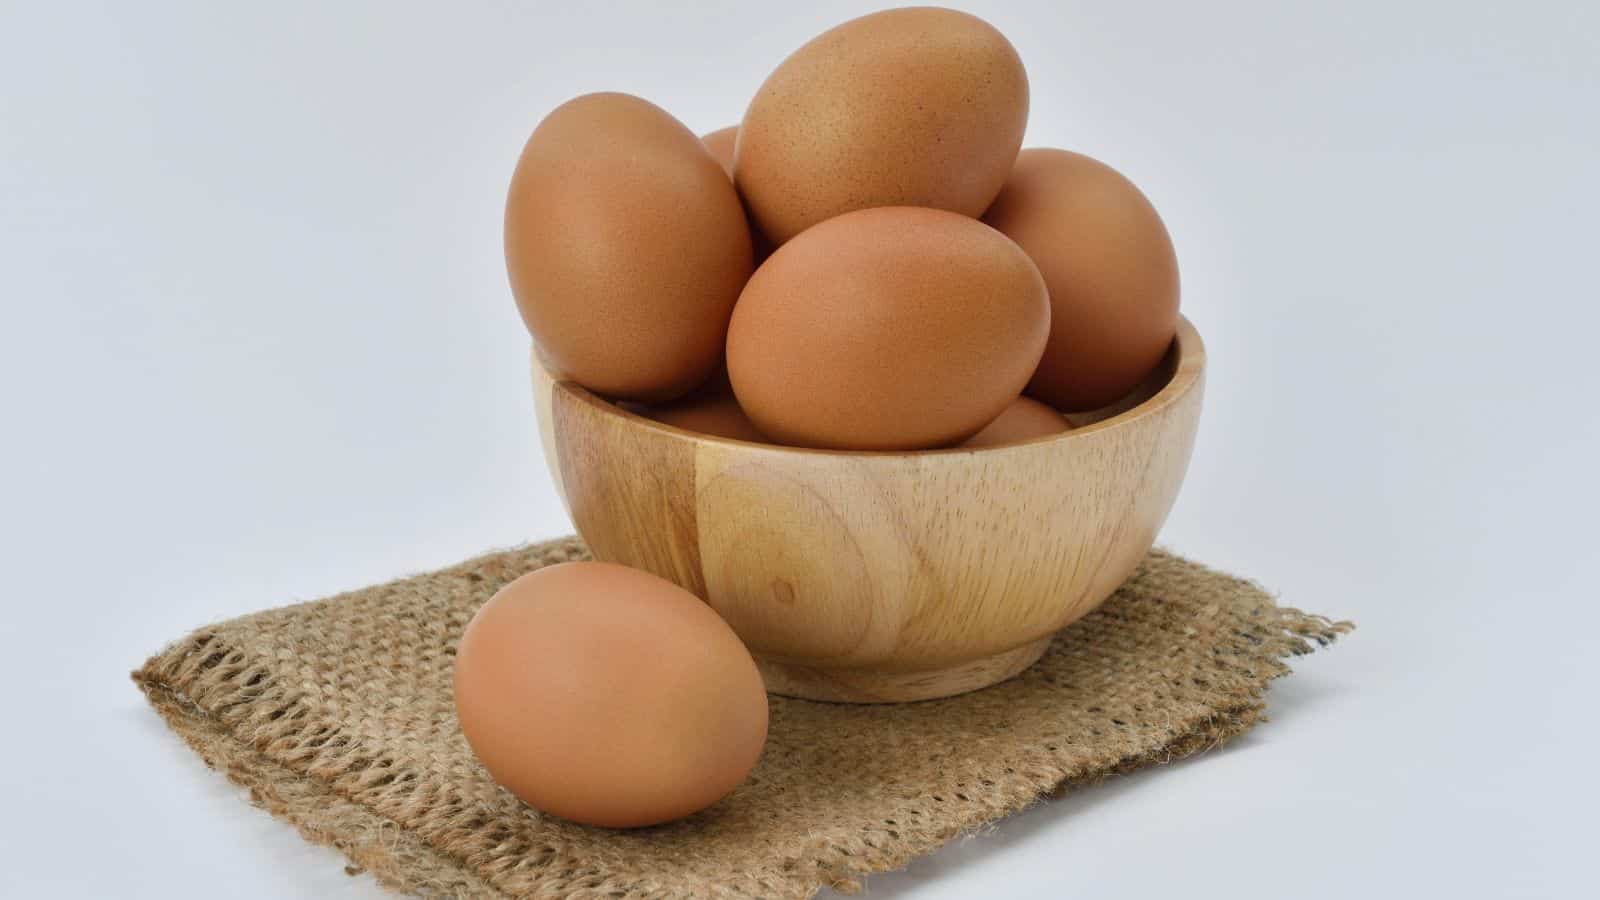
x=879 y=577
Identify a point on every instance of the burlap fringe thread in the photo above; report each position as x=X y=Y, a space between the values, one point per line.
x=336 y=715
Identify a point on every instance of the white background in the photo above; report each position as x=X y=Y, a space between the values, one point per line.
x=257 y=347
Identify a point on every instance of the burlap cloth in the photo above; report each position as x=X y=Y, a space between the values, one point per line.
x=337 y=716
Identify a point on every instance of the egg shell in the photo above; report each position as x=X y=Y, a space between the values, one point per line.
x=905 y=107
x=1024 y=420
x=894 y=328
x=721 y=144
x=626 y=247
x=714 y=412
x=608 y=696
x=1111 y=269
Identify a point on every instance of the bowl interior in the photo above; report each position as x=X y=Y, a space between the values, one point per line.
x=1170 y=379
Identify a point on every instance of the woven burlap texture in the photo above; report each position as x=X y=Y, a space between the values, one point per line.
x=337 y=716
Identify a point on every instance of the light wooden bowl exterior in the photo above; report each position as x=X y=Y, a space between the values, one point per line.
x=880 y=577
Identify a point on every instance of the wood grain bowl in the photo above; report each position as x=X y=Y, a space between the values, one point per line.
x=882 y=577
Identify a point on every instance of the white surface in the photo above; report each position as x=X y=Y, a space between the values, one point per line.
x=257 y=347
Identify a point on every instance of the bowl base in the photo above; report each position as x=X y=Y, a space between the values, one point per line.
x=877 y=686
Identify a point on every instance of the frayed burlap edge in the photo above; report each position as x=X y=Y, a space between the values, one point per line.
x=396 y=857
x=316 y=796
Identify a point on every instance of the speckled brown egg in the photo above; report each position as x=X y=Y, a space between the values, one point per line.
x=894 y=328
x=1024 y=420
x=1110 y=267
x=626 y=246
x=720 y=143
x=608 y=696
x=906 y=107
x=712 y=412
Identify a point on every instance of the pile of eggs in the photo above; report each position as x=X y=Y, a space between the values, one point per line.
x=867 y=262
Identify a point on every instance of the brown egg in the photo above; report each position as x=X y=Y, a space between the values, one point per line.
x=1024 y=420
x=626 y=246
x=720 y=143
x=713 y=412
x=1111 y=269
x=893 y=328
x=906 y=107
x=608 y=696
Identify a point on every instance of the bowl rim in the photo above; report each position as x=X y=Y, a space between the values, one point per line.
x=1188 y=368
